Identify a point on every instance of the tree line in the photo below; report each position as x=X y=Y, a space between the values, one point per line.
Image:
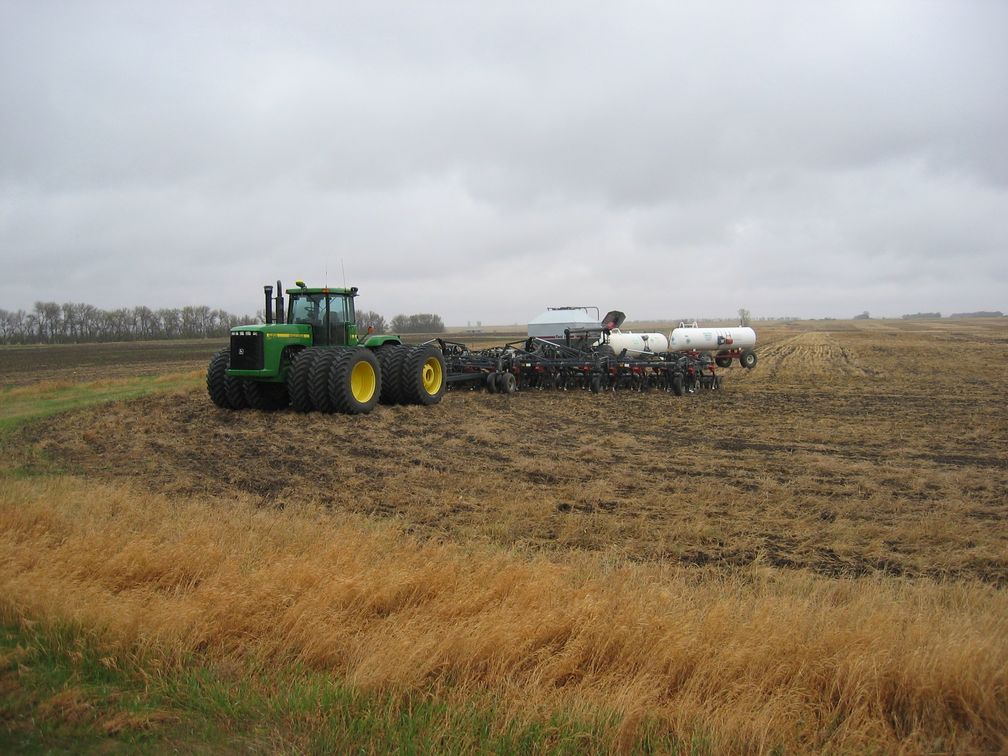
x=422 y=322
x=71 y=322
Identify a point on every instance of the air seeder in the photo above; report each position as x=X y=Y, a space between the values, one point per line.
x=310 y=356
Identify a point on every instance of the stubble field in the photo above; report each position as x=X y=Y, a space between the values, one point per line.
x=815 y=557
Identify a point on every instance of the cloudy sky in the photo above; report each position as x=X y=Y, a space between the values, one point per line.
x=483 y=160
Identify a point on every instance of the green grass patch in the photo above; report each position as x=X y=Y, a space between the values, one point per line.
x=60 y=691
x=23 y=403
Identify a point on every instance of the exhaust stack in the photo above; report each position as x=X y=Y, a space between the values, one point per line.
x=280 y=318
x=268 y=290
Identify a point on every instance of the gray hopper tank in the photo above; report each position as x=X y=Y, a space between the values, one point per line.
x=552 y=323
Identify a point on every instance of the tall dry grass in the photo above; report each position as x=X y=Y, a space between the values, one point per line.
x=751 y=659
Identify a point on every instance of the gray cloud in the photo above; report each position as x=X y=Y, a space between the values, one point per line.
x=485 y=161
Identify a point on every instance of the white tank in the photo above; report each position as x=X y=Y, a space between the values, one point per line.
x=638 y=344
x=689 y=338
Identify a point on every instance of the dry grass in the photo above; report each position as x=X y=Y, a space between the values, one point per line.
x=816 y=557
x=753 y=659
x=870 y=461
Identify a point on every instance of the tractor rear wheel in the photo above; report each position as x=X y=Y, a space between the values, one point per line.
x=318 y=381
x=423 y=375
x=216 y=378
x=262 y=395
x=297 y=379
x=354 y=380
x=390 y=358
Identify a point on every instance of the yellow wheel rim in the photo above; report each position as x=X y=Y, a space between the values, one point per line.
x=432 y=376
x=363 y=381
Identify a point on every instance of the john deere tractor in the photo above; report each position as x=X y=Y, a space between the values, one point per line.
x=311 y=357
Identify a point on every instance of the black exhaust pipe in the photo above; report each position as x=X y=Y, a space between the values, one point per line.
x=269 y=303
x=280 y=317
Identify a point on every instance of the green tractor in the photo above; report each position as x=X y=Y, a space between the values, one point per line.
x=311 y=358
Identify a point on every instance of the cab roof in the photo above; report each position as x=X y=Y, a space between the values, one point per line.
x=351 y=292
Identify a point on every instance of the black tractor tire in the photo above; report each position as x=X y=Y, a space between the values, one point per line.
x=318 y=381
x=491 y=383
x=424 y=375
x=595 y=384
x=747 y=359
x=297 y=379
x=390 y=358
x=678 y=384
x=266 y=396
x=722 y=360
x=355 y=380
x=216 y=378
x=235 y=388
x=506 y=383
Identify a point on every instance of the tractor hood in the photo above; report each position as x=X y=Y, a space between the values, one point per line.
x=294 y=334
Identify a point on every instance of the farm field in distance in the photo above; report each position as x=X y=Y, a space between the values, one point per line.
x=813 y=558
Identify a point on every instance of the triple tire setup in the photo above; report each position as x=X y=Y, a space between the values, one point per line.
x=348 y=380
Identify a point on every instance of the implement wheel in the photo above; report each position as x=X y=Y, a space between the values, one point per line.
x=678 y=385
x=424 y=375
x=390 y=359
x=491 y=383
x=747 y=359
x=354 y=380
x=297 y=379
x=216 y=378
x=506 y=383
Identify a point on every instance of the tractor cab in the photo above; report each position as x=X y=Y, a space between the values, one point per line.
x=329 y=312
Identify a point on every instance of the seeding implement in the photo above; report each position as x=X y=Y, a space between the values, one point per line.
x=603 y=358
x=311 y=357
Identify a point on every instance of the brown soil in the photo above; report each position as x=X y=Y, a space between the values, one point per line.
x=848 y=452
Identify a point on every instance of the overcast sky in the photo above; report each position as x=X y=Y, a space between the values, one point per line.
x=483 y=160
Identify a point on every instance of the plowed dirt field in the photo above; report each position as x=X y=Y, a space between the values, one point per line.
x=851 y=449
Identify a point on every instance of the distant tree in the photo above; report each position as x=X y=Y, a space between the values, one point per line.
x=423 y=322
x=978 y=314
x=863 y=316
x=53 y=323
x=744 y=316
x=923 y=316
x=369 y=319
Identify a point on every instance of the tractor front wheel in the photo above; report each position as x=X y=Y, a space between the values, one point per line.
x=262 y=395
x=354 y=381
x=216 y=378
x=318 y=381
x=297 y=379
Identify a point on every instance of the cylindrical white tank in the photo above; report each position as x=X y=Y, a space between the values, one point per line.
x=686 y=339
x=638 y=344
